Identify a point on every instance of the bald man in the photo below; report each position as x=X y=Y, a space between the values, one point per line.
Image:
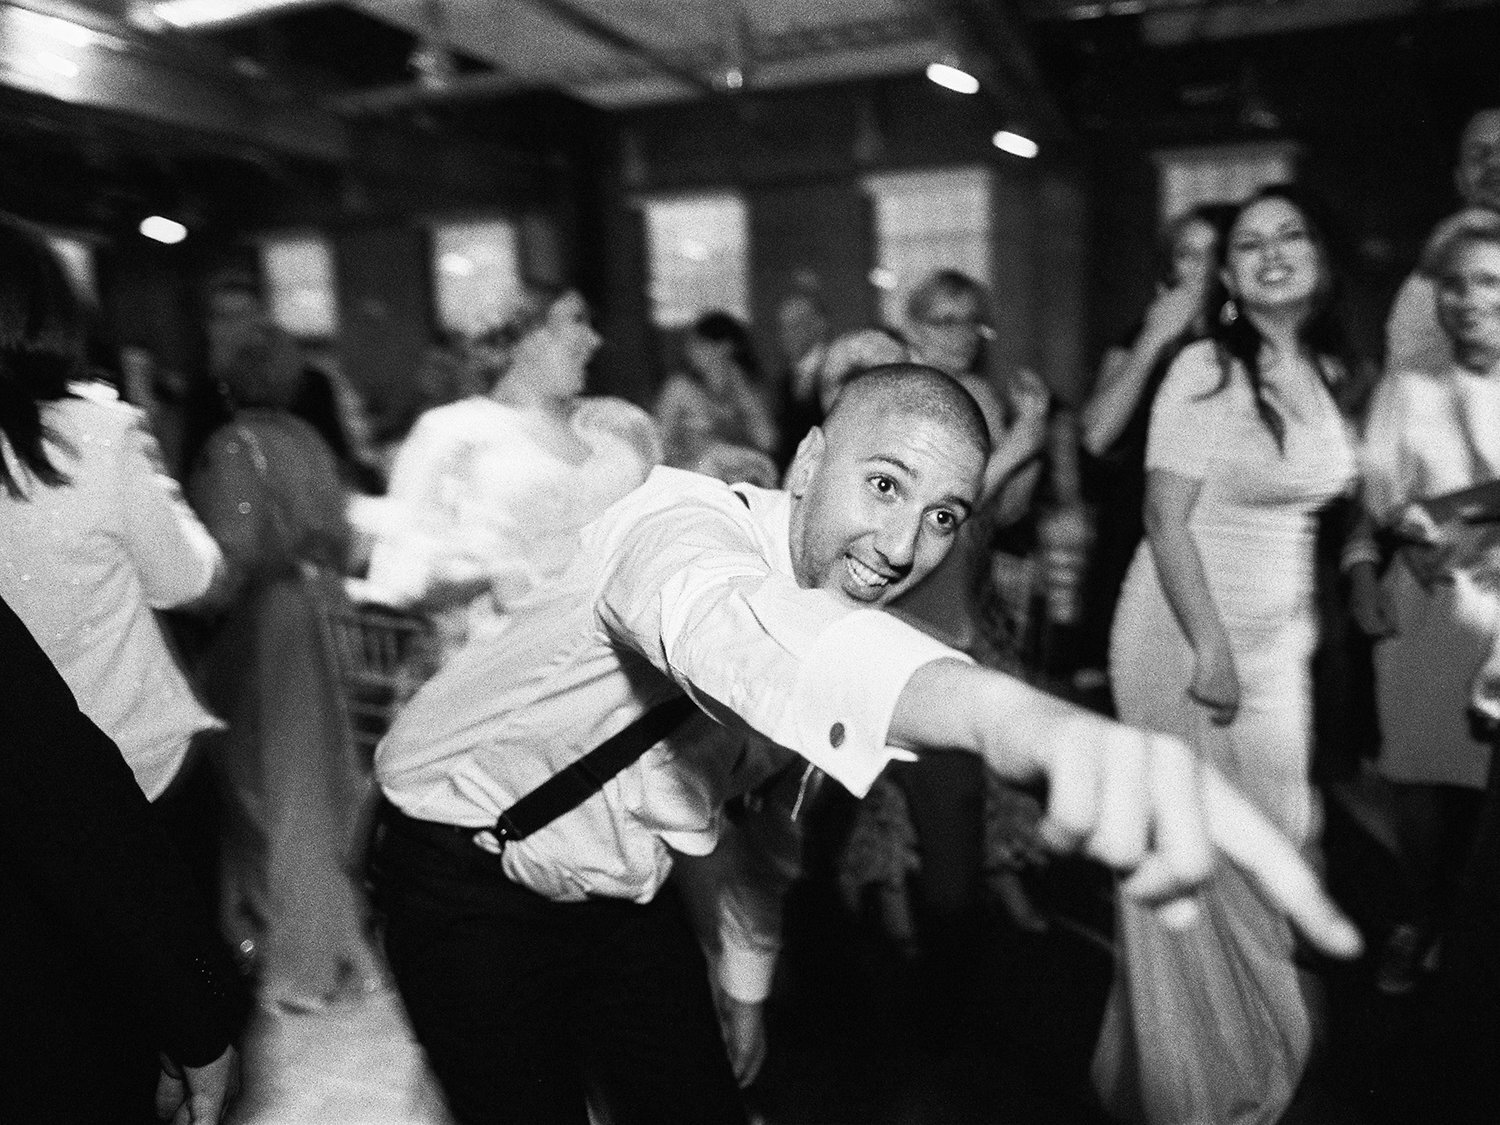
x=1413 y=339
x=537 y=950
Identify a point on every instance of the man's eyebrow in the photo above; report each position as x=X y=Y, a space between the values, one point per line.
x=896 y=461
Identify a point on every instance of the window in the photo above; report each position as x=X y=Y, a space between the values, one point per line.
x=476 y=265
x=1224 y=173
x=925 y=221
x=300 y=285
x=77 y=257
x=697 y=252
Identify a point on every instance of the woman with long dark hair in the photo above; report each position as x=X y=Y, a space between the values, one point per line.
x=107 y=956
x=94 y=534
x=1213 y=643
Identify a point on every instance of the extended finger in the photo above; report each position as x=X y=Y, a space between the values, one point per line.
x=1124 y=800
x=1182 y=858
x=1250 y=842
x=1073 y=773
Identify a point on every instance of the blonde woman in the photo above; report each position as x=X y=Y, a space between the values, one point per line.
x=487 y=494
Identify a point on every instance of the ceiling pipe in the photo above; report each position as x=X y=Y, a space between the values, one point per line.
x=412 y=95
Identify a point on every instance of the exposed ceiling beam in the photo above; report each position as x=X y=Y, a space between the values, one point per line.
x=565 y=12
x=79 y=56
x=413 y=94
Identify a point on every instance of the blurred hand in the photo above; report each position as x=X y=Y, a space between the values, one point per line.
x=1369 y=604
x=735 y=464
x=1216 y=684
x=1145 y=805
x=197 y=1095
x=1030 y=397
x=1174 y=310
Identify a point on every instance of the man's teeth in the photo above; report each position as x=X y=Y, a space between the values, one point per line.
x=863 y=574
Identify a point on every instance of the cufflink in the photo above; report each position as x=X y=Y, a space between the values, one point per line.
x=836 y=735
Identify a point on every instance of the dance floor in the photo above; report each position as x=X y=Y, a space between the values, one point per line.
x=863 y=1033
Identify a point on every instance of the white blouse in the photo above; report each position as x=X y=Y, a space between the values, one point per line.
x=477 y=496
x=83 y=564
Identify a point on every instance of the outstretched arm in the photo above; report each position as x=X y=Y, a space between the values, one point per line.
x=1138 y=802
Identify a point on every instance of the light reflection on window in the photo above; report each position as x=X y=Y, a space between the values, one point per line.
x=77 y=258
x=300 y=285
x=476 y=268
x=925 y=221
x=698 y=254
x=1222 y=173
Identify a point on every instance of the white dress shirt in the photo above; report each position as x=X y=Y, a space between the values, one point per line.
x=84 y=563
x=685 y=583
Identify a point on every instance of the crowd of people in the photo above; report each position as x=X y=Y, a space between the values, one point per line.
x=652 y=637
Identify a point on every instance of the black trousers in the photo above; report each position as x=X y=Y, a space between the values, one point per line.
x=523 y=1003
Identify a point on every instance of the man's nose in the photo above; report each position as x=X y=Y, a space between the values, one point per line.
x=897 y=540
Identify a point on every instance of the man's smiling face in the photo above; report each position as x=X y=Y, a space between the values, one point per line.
x=879 y=495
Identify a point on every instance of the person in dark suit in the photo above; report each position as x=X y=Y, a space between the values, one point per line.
x=115 y=986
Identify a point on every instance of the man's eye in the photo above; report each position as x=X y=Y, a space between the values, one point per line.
x=947 y=521
x=882 y=484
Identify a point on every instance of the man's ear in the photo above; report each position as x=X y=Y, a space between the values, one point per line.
x=809 y=456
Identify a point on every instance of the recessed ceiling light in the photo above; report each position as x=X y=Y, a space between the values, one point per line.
x=952 y=78
x=161 y=229
x=1015 y=144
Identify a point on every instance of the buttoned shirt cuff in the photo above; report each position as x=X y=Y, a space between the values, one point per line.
x=745 y=974
x=846 y=693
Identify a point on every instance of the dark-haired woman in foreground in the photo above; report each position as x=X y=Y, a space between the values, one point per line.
x=1212 y=643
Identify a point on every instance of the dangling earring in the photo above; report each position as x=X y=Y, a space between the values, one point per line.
x=1229 y=313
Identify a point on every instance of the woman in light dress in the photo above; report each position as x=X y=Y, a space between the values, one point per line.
x=1430 y=433
x=1207 y=1023
x=296 y=792
x=487 y=495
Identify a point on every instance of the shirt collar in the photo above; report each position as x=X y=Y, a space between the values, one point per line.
x=771 y=512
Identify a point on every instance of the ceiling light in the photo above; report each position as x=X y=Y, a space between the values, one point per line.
x=54 y=27
x=161 y=229
x=1015 y=144
x=48 y=63
x=952 y=78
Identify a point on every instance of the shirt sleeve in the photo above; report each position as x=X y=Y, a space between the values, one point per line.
x=172 y=552
x=1185 y=415
x=426 y=544
x=688 y=588
x=1382 y=463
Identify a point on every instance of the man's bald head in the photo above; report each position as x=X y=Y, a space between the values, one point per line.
x=880 y=490
x=909 y=390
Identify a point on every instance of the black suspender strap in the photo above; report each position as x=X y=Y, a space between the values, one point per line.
x=575 y=784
